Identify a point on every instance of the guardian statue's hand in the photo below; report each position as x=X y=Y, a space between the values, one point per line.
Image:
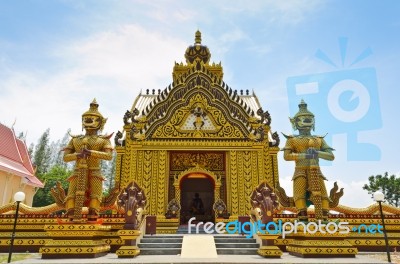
x=84 y=154
x=312 y=153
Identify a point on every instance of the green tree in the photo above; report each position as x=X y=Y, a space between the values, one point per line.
x=56 y=173
x=389 y=185
x=42 y=154
x=30 y=150
x=57 y=153
x=21 y=136
x=108 y=171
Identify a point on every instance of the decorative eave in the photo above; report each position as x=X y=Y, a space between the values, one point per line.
x=218 y=94
x=163 y=99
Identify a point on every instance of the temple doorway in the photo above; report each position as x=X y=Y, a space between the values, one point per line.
x=197 y=198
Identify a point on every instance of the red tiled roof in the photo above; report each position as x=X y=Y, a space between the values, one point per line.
x=15 y=167
x=26 y=160
x=14 y=157
x=34 y=182
x=19 y=170
x=8 y=144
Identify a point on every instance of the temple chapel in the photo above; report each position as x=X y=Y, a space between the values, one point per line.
x=17 y=172
x=198 y=138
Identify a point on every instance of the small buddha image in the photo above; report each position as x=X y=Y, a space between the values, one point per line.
x=199 y=114
x=197 y=207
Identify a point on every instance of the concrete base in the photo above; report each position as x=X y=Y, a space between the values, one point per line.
x=321 y=245
x=75 y=241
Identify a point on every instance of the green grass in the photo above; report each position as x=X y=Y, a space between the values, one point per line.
x=14 y=257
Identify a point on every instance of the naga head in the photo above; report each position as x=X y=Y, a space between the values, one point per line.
x=92 y=120
x=304 y=120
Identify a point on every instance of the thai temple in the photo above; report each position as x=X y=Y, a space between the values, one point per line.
x=198 y=135
x=196 y=153
x=16 y=170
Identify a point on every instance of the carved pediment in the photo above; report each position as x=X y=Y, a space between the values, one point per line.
x=198 y=104
x=198 y=120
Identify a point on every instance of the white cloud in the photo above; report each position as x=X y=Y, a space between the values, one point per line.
x=286 y=183
x=354 y=195
x=286 y=12
x=131 y=54
x=124 y=57
x=232 y=36
x=170 y=14
x=112 y=66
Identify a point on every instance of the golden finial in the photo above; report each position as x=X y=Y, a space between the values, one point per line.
x=197 y=39
x=94 y=103
x=303 y=109
x=93 y=109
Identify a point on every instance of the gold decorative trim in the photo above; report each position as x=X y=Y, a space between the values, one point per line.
x=127 y=252
x=331 y=251
x=269 y=252
x=74 y=250
x=234 y=200
x=162 y=191
x=190 y=144
x=25 y=242
x=74 y=243
x=197 y=169
x=247 y=186
x=76 y=227
x=146 y=176
x=240 y=186
x=153 y=180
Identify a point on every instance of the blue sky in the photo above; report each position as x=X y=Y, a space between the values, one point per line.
x=56 y=56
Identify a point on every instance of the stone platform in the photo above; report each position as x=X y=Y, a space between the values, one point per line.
x=286 y=258
x=75 y=241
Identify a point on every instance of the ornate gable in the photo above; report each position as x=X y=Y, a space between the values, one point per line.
x=199 y=119
x=197 y=105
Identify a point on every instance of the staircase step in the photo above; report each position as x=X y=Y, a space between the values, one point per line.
x=172 y=244
x=163 y=236
x=161 y=240
x=236 y=245
x=231 y=236
x=194 y=233
x=234 y=240
x=160 y=245
x=236 y=251
x=160 y=251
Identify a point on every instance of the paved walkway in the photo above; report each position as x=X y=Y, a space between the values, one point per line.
x=286 y=258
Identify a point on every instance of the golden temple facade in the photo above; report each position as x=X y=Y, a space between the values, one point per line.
x=197 y=136
x=196 y=139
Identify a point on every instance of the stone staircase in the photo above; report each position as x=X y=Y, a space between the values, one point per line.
x=161 y=245
x=172 y=245
x=235 y=245
x=184 y=230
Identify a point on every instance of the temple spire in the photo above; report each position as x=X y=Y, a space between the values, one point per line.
x=197 y=39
